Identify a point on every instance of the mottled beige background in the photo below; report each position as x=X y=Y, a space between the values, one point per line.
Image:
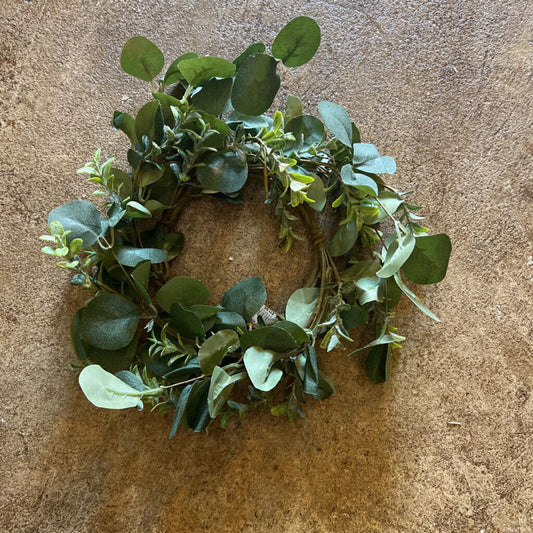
x=445 y=88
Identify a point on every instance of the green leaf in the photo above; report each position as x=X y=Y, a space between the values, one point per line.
x=325 y=387
x=367 y=159
x=307 y=130
x=359 y=181
x=131 y=379
x=81 y=219
x=297 y=42
x=354 y=317
x=245 y=298
x=397 y=254
x=256 y=48
x=183 y=290
x=214 y=95
x=220 y=389
x=429 y=261
x=203 y=312
x=215 y=348
x=109 y=321
x=224 y=172
x=368 y=289
x=123 y=181
x=180 y=409
x=173 y=74
x=185 y=371
x=79 y=346
x=149 y=121
x=131 y=257
x=390 y=201
x=256 y=85
x=343 y=240
x=310 y=380
x=229 y=320
x=149 y=174
x=249 y=121
x=337 y=121
x=113 y=360
x=269 y=338
x=137 y=210
x=293 y=108
x=258 y=364
x=294 y=330
x=125 y=123
x=377 y=363
x=186 y=322
x=105 y=390
x=198 y=70
x=197 y=408
x=413 y=297
x=141 y=58
x=301 y=305
x=317 y=193
x=386 y=338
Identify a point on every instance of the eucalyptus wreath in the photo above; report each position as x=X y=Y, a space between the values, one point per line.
x=147 y=337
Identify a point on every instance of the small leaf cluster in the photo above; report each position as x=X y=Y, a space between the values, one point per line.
x=147 y=337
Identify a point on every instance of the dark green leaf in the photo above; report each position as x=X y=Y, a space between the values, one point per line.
x=131 y=257
x=295 y=331
x=256 y=48
x=121 y=183
x=180 y=409
x=269 y=338
x=214 y=95
x=81 y=219
x=198 y=70
x=215 y=348
x=224 y=172
x=337 y=121
x=78 y=345
x=310 y=381
x=141 y=58
x=229 y=320
x=109 y=322
x=133 y=380
x=250 y=122
x=125 y=123
x=256 y=85
x=245 y=298
x=297 y=42
x=173 y=73
x=197 y=408
x=325 y=387
x=376 y=364
x=186 y=322
x=307 y=130
x=149 y=121
x=113 y=360
x=354 y=317
x=185 y=371
x=429 y=261
x=343 y=240
x=183 y=290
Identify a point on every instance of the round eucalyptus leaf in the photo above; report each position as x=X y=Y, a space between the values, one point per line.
x=149 y=121
x=173 y=74
x=215 y=348
x=337 y=121
x=297 y=42
x=198 y=70
x=307 y=130
x=256 y=48
x=125 y=123
x=109 y=321
x=269 y=338
x=301 y=305
x=317 y=193
x=113 y=360
x=141 y=58
x=258 y=364
x=343 y=240
x=107 y=391
x=429 y=261
x=224 y=172
x=214 y=95
x=186 y=322
x=131 y=257
x=246 y=297
x=359 y=181
x=256 y=85
x=229 y=320
x=81 y=219
x=183 y=290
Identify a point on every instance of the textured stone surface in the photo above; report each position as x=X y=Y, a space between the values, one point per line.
x=444 y=87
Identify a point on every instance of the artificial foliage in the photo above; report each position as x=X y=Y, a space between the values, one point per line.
x=145 y=337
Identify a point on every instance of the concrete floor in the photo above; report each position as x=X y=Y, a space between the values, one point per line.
x=445 y=88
